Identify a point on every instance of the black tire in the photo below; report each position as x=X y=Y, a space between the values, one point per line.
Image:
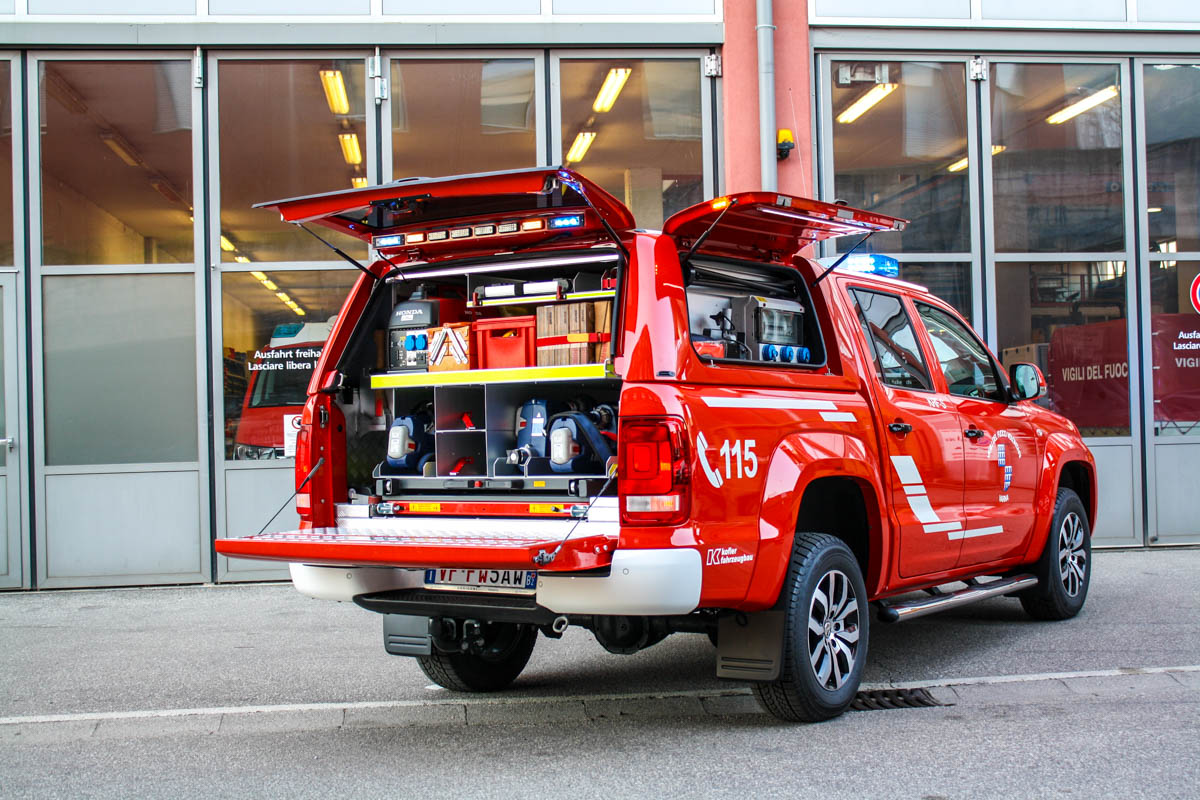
x=506 y=651
x=1065 y=567
x=820 y=671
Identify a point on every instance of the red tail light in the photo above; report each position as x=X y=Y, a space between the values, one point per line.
x=652 y=471
x=304 y=462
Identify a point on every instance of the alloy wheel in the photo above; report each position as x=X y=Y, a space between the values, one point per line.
x=1072 y=557
x=833 y=629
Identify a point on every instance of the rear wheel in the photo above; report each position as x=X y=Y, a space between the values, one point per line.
x=505 y=652
x=824 y=636
x=1065 y=568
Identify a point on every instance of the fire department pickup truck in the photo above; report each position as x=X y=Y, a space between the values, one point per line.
x=567 y=420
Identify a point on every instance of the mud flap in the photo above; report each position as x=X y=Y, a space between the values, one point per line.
x=406 y=636
x=750 y=646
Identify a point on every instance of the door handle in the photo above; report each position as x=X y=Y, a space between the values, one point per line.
x=8 y=443
x=973 y=433
x=901 y=428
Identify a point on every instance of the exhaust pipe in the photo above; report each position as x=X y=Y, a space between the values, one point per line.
x=560 y=624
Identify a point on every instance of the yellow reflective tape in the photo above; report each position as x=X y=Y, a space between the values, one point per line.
x=543 y=508
x=539 y=484
x=398 y=380
x=427 y=508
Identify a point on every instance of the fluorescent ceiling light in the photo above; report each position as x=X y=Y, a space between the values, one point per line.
x=262 y=276
x=1086 y=104
x=359 y=181
x=579 y=148
x=227 y=245
x=270 y=284
x=283 y=296
x=1154 y=210
x=613 y=83
x=350 y=149
x=335 y=91
x=299 y=311
x=123 y=149
x=962 y=163
x=865 y=103
x=241 y=259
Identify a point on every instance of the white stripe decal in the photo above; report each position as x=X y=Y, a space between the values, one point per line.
x=838 y=416
x=918 y=489
x=769 y=402
x=922 y=510
x=939 y=527
x=906 y=468
x=983 y=531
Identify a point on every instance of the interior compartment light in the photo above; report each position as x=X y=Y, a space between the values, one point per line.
x=388 y=241
x=865 y=103
x=579 y=147
x=572 y=221
x=507 y=227
x=611 y=88
x=485 y=230
x=437 y=236
x=533 y=225
x=350 y=149
x=335 y=91
x=1086 y=104
x=460 y=233
x=720 y=203
x=414 y=238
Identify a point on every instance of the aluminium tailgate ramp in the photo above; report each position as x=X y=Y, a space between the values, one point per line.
x=503 y=542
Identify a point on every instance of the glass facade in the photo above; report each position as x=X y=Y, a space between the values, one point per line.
x=287 y=128
x=453 y=117
x=116 y=165
x=635 y=127
x=6 y=165
x=273 y=328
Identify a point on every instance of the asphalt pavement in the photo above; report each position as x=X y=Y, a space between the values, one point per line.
x=259 y=691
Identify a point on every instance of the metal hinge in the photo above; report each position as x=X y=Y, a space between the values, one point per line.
x=198 y=70
x=979 y=69
x=375 y=72
x=712 y=66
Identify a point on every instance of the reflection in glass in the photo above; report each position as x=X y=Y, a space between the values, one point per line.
x=116 y=171
x=274 y=327
x=288 y=128
x=646 y=148
x=903 y=151
x=3 y=398
x=120 y=363
x=949 y=281
x=453 y=117
x=1070 y=320
x=1175 y=344
x=1173 y=156
x=1056 y=168
x=6 y=150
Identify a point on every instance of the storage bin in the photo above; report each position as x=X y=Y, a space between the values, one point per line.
x=504 y=342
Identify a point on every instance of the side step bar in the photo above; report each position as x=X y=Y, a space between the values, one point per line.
x=911 y=609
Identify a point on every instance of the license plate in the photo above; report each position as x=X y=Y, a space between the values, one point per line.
x=482 y=580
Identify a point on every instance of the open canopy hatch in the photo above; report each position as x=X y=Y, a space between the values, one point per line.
x=485 y=211
x=769 y=226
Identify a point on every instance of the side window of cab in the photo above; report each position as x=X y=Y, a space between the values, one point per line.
x=891 y=340
x=969 y=370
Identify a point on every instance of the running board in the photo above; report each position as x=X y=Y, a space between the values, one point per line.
x=911 y=609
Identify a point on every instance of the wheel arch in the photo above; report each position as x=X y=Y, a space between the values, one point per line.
x=805 y=492
x=1067 y=464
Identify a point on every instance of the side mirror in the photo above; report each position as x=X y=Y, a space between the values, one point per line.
x=1027 y=381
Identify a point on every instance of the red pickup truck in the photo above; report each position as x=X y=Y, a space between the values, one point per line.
x=649 y=432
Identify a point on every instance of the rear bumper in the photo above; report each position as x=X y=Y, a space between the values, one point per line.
x=638 y=583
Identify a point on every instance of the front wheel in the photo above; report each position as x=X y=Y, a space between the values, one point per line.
x=1065 y=567
x=826 y=626
x=505 y=652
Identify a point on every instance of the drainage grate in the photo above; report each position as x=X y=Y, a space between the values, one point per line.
x=882 y=699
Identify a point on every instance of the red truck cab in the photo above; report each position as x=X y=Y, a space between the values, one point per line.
x=707 y=432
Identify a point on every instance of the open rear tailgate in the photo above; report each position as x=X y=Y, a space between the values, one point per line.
x=493 y=543
x=424 y=204
x=770 y=226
